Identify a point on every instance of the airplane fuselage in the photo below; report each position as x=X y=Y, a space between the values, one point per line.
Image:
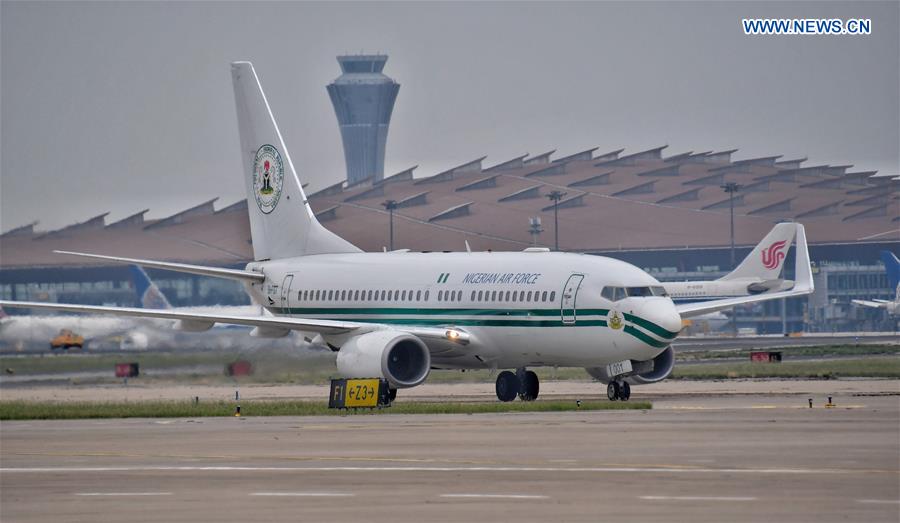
x=532 y=308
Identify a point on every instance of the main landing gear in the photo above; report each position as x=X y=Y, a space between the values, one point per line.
x=524 y=384
x=618 y=390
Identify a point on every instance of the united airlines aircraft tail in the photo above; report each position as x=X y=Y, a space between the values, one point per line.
x=767 y=258
x=282 y=224
x=149 y=295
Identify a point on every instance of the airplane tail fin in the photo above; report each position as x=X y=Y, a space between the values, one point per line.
x=282 y=224
x=892 y=266
x=767 y=258
x=148 y=293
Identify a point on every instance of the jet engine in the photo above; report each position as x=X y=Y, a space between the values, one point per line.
x=649 y=371
x=398 y=357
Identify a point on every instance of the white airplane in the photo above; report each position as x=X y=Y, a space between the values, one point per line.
x=758 y=273
x=892 y=267
x=397 y=315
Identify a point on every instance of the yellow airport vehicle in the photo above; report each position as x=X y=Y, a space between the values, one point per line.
x=67 y=339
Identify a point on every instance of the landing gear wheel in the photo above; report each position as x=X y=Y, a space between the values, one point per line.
x=531 y=386
x=612 y=391
x=624 y=391
x=507 y=386
x=392 y=394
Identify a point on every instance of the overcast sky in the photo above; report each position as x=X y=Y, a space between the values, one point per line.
x=124 y=106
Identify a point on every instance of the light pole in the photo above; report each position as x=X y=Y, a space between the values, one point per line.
x=731 y=188
x=534 y=228
x=390 y=205
x=556 y=196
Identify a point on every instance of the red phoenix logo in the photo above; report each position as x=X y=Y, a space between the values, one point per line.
x=773 y=254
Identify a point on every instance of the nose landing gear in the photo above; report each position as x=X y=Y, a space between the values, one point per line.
x=618 y=390
x=524 y=384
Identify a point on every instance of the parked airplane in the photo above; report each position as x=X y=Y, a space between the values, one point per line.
x=892 y=266
x=397 y=315
x=758 y=273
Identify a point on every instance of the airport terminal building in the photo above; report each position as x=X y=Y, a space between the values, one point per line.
x=666 y=213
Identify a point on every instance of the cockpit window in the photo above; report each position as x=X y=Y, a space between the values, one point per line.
x=620 y=293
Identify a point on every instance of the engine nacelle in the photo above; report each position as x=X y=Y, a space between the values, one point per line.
x=398 y=357
x=649 y=371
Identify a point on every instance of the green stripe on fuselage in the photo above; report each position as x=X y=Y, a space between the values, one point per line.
x=498 y=318
x=650 y=326
x=435 y=312
x=644 y=338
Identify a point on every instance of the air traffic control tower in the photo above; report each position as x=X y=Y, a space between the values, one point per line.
x=363 y=98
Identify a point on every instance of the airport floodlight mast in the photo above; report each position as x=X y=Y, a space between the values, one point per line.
x=556 y=196
x=390 y=205
x=534 y=228
x=731 y=188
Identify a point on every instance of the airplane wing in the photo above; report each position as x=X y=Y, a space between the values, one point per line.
x=272 y=325
x=867 y=303
x=802 y=286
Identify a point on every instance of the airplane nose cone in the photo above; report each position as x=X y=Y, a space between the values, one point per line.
x=665 y=322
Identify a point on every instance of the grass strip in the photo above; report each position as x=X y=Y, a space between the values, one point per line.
x=23 y=410
x=871 y=367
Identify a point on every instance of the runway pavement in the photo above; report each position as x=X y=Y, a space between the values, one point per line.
x=723 y=457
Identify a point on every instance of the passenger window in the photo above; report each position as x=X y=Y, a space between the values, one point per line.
x=552 y=296
x=418 y=295
x=403 y=296
x=544 y=296
x=507 y=296
x=480 y=293
x=426 y=295
x=440 y=295
x=493 y=295
x=473 y=295
x=529 y=296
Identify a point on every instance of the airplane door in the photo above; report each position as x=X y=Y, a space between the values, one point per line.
x=286 y=292
x=569 y=294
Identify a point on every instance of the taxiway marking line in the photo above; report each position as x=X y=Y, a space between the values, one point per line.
x=493 y=496
x=123 y=493
x=304 y=494
x=697 y=498
x=880 y=501
x=672 y=470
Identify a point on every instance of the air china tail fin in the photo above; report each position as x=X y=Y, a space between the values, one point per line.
x=767 y=258
x=149 y=295
x=282 y=224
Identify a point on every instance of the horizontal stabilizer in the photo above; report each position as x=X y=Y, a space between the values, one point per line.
x=217 y=272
